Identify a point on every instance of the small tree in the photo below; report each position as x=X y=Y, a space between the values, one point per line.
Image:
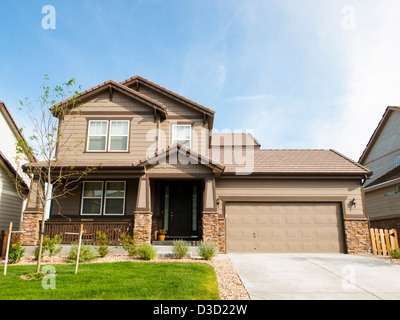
x=54 y=175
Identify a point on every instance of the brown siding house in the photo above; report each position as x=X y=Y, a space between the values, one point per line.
x=382 y=156
x=161 y=166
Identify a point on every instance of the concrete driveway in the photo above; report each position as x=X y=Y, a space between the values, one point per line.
x=316 y=276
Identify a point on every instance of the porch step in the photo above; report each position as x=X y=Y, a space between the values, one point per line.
x=171 y=243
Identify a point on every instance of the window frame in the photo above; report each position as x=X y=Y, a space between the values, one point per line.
x=397 y=160
x=127 y=136
x=105 y=199
x=88 y=136
x=174 y=133
x=83 y=198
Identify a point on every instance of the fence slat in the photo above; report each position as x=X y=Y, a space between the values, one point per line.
x=373 y=240
x=378 y=242
x=387 y=240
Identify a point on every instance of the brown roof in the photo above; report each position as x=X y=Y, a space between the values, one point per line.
x=233 y=139
x=293 y=162
x=389 y=176
x=138 y=79
x=121 y=88
x=377 y=132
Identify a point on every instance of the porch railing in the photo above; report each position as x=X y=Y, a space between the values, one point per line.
x=113 y=230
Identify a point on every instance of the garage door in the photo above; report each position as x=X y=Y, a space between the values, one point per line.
x=284 y=227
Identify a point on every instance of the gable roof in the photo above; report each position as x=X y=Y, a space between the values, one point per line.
x=294 y=163
x=377 y=132
x=113 y=85
x=179 y=148
x=390 y=176
x=135 y=81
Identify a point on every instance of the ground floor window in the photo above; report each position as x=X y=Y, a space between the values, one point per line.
x=103 y=197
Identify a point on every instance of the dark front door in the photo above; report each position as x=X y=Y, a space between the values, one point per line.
x=181 y=207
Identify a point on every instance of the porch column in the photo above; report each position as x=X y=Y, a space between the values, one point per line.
x=210 y=214
x=143 y=214
x=32 y=215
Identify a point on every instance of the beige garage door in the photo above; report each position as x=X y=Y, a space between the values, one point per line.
x=284 y=227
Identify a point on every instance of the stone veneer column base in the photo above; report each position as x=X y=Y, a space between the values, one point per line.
x=210 y=228
x=30 y=225
x=142 y=227
x=357 y=236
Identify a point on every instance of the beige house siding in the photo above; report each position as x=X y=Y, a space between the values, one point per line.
x=143 y=128
x=381 y=157
x=10 y=202
x=380 y=206
x=284 y=189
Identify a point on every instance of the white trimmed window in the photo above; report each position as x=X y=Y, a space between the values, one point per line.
x=114 y=199
x=119 y=135
x=111 y=136
x=92 y=197
x=182 y=134
x=97 y=135
x=397 y=160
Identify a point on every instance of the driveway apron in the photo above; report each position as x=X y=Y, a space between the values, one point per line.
x=316 y=276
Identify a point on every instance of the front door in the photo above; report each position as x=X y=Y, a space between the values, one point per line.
x=181 y=207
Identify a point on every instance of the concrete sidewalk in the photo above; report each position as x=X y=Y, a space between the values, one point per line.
x=316 y=276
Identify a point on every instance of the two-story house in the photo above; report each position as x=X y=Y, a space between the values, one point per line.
x=382 y=156
x=12 y=202
x=161 y=165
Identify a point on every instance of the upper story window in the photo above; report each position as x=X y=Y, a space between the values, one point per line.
x=104 y=135
x=397 y=160
x=119 y=133
x=182 y=134
x=97 y=135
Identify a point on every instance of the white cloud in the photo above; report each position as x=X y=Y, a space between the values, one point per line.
x=372 y=53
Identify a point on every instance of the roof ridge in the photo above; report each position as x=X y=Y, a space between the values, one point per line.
x=168 y=91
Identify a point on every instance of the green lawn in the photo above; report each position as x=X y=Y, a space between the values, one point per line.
x=120 y=280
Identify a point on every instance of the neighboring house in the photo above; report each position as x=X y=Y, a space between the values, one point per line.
x=11 y=204
x=161 y=168
x=382 y=156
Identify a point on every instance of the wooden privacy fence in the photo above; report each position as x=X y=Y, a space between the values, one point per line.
x=15 y=238
x=113 y=230
x=384 y=241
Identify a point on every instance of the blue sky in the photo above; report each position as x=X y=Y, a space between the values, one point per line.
x=301 y=73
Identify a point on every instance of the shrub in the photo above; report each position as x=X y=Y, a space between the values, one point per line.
x=102 y=243
x=87 y=253
x=146 y=251
x=50 y=245
x=129 y=243
x=180 y=249
x=16 y=253
x=395 y=254
x=207 y=250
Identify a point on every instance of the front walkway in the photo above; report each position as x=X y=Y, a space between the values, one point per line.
x=317 y=276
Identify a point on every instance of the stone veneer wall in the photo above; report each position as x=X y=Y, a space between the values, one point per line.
x=142 y=227
x=210 y=228
x=357 y=236
x=30 y=226
x=221 y=235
